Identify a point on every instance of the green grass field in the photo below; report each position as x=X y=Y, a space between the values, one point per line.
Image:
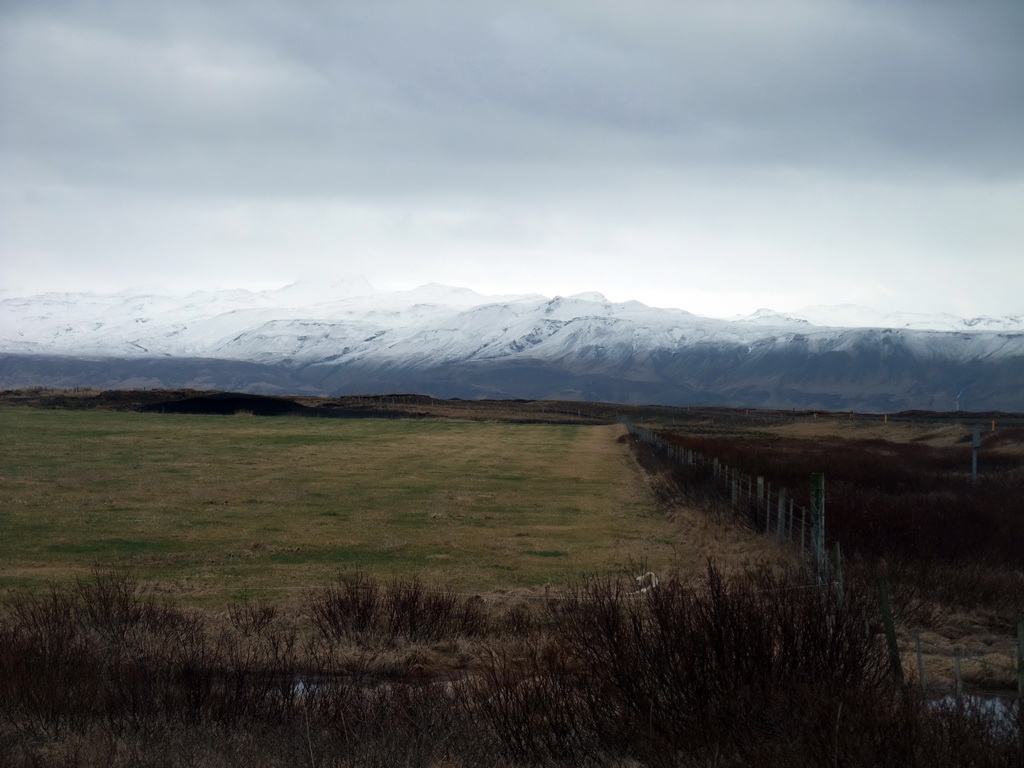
x=214 y=507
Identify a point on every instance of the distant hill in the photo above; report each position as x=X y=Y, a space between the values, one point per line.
x=451 y=342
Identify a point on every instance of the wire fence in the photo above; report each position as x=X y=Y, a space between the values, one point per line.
x=772 y=511
x=775 y=513
x=966 y=670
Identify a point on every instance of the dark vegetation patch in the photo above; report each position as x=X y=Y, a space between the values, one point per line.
x=696 y=420
x=949 y=549
x=907 y=501
x=226 y=404
x=751 y=669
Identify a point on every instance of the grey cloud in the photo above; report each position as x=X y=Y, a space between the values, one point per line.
x=344 y=96
x=779 y=128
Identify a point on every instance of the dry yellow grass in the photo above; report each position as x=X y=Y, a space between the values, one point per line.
x=988 y=659
x=214 y=507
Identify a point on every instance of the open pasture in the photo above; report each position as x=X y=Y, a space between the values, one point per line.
x=261 y=658
x=215 y=507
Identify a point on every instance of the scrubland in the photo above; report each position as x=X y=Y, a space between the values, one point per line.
x=178 y=593
x=903 y=505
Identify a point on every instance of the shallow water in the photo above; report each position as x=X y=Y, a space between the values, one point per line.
x=1000 y=711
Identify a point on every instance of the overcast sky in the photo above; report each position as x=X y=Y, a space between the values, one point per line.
x=713 y=156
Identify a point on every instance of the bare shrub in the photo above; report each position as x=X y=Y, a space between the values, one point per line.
x=355 y=608
x=757 y=668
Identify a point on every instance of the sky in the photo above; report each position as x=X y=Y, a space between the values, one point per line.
x=717 y=157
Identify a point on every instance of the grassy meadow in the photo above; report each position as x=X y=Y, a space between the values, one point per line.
x=282 y=591
x=215 y=507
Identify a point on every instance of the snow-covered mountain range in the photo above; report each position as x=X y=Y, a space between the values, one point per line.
x=346 y=336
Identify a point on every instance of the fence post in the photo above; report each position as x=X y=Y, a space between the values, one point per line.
x=920 y=664
x=956 y=671
x=974 y=454
x=818 y=522
x=758 y=502
x=803 y=525
x=1020 y=658
x=789 y=521
x=837 y=569
x=780 y=522
x=890 y=631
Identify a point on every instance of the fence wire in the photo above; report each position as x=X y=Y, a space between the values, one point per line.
x=770 y=510
x=774 y=511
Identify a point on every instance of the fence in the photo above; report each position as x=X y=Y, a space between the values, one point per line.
x=771 y=511
x=955 y=654
x=992 y=672
x=775 y=513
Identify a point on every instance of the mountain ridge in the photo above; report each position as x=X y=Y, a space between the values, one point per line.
x=347 y=337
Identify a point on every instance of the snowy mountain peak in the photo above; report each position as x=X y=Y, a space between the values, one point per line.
x=770 y=317
x=854 y=316
x=435 y=293
x=590 y=296
x=319 y=291
x=349 y=336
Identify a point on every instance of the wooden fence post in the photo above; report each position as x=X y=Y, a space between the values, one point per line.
x=956 y=671
x=890 y=631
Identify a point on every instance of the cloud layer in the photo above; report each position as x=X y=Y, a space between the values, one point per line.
x=716 y=157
